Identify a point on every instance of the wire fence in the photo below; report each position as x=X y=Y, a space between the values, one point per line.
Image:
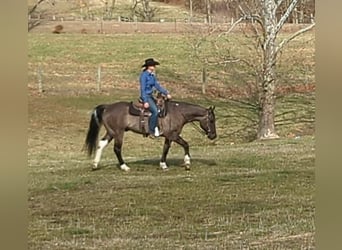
x=73 y=79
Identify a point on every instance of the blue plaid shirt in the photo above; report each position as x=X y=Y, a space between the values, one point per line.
x=148 y=82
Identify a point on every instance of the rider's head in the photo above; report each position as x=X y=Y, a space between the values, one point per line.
x=150 y=64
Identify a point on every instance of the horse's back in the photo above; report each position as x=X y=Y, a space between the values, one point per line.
x=116 y=105
x=116 y=109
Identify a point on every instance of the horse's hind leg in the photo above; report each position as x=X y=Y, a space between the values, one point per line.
x=185 y=145
x=117 y=150
x=101 y=145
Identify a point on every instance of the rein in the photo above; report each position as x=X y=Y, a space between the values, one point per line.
x=198 y=128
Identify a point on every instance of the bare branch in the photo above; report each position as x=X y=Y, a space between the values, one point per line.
x=285 y=16
x=257 y=34
x=251 y=15
x=279 y=2
x=233 y=26
x=299 y=32
x=35 y=7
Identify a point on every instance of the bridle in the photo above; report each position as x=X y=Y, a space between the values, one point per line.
x=197 y=127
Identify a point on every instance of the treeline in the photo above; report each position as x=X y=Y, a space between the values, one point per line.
x=303 y=13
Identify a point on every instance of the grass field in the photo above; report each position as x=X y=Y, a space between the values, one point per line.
x=238 y=195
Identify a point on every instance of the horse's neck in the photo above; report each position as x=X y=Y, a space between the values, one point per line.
x=192 y=112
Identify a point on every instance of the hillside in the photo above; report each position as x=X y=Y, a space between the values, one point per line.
x=94 y=9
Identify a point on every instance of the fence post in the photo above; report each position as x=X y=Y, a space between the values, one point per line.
x=135 y=18
x=99 y=78
x=40 y=81
x=204 y=79
x=311 y=18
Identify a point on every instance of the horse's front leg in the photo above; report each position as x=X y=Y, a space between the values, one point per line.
x=117 y=150
x=167 y=145
x=185 y=145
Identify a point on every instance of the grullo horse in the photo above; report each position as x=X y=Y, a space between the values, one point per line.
x=117 y=119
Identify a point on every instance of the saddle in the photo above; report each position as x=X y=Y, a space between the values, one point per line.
x=137 y=109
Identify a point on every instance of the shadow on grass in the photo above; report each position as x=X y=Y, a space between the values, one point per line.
x=176 y=162
x=172 y=162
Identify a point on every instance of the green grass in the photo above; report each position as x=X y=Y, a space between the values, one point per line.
x=257 y=195
x=125 y=53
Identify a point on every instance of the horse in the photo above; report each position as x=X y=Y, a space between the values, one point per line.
x=117 y=119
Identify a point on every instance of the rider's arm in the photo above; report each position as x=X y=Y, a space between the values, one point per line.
x=160 y=88
x=143 y=81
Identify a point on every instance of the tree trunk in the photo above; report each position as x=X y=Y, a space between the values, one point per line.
x=208 y=10
x=266 y=128
x=190 y=6
x=147 y=11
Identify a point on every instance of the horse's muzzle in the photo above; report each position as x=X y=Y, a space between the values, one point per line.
x=212 y=136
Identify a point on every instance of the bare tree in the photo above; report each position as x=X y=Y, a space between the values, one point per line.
x=271 y=27
x=266 y=25
x=262 y=24
x=144 y=10
x=108 y=9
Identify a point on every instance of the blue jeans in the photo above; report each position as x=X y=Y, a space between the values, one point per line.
x=153 y=123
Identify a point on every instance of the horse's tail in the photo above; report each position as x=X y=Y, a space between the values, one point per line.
x=94 y=129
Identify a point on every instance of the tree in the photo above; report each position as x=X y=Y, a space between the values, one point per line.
x=270 y=48
x=262 y=21
x=143 y=9
x=108 y=10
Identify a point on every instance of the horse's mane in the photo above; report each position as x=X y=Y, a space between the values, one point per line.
x=184 y=104
x=186 y=108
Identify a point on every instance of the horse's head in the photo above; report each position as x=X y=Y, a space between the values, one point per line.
x=160 y=99
x=208 y=123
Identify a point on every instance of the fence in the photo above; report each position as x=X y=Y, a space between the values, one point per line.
x=60 y=79
x=75 y=79
x=112 y=27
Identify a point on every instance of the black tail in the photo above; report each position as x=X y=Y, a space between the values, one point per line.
x=94 y=128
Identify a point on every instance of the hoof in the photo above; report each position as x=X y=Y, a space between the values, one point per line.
x=163 y=166
x=187 y=160
x=124 y=167
x=187 y=167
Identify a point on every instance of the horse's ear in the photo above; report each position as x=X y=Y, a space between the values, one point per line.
x=212 y=108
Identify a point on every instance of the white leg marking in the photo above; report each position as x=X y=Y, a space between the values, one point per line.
x=187 y=159
x=124 y=167
x=163 y=166
x=102 y=145
x=156 y=132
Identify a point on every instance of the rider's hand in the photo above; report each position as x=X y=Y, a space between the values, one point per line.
x=168 y=96
x=146 y=105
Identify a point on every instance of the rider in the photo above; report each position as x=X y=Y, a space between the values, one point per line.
x=148 y=81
